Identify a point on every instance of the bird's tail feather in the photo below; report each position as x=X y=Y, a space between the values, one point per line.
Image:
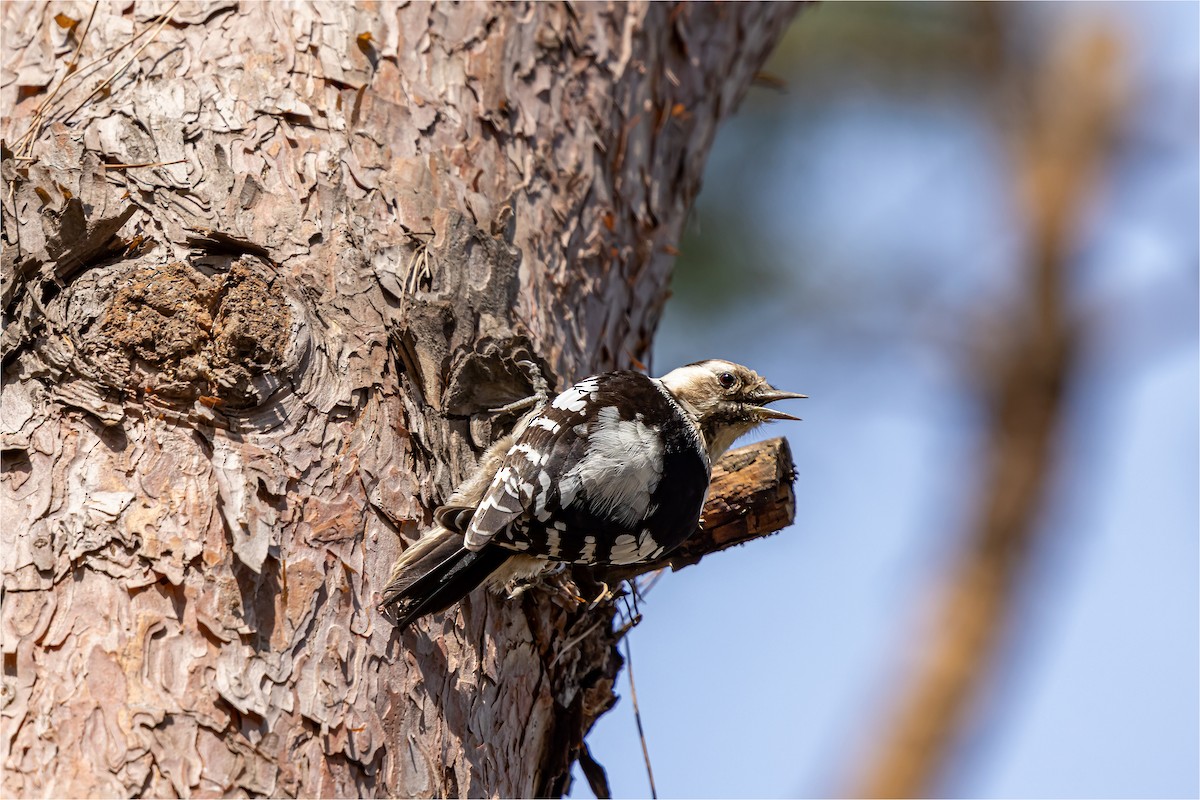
x=435 y=573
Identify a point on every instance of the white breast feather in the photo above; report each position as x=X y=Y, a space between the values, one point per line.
x=620 y=470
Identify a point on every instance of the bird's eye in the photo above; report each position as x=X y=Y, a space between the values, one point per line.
x=726 y=380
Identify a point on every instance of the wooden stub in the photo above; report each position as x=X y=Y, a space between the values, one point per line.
x=751 y=497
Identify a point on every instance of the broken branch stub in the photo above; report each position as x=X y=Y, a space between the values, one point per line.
x=751 y=497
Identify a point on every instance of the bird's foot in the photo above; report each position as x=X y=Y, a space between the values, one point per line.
x=541 y=390
x=519 y=585
x=607 y=594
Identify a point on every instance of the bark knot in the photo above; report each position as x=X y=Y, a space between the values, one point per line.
x=180 y=335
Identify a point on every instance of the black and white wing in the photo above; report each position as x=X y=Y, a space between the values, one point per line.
x=583 y=482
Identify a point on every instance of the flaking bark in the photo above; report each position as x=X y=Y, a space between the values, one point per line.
x=266 y=267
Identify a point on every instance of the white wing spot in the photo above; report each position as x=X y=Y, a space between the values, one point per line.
x=589 y=550
x=648 y=548
x=491 y=503
x=532 y=455
x=623 y=549
x=575 y=399
x=539 y=501
x=632 y=550
x=545 y=423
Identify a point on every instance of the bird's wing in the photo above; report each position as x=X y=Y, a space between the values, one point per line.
x=579 y=483
x=523 y=482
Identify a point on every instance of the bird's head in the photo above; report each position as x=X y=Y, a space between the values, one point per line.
x=727 y=400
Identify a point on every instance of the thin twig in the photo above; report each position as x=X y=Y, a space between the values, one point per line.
x=574 y=640
x=109 y=56
x=165 y=18
x=79 y=47
x=620 y=632
x=145 y=164
x=647 y=582
x=637 y=717
x=28 y=138
x=39 y=114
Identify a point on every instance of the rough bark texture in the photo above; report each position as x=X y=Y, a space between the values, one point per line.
x=265 y=267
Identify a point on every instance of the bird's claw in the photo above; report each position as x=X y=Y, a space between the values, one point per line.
x=603 y=597
x=541 y=390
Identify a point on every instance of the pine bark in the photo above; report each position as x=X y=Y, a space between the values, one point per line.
x=266 y=267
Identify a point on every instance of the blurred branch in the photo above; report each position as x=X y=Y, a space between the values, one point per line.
x=1063 y=116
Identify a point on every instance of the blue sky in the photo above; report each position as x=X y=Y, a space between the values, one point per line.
x=878 y=219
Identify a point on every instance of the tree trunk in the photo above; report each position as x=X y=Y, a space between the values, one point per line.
x=266 y=268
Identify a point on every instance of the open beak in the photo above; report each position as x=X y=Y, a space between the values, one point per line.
x=770 y=396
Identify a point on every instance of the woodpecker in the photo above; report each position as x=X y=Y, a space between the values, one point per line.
x=613 y=471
